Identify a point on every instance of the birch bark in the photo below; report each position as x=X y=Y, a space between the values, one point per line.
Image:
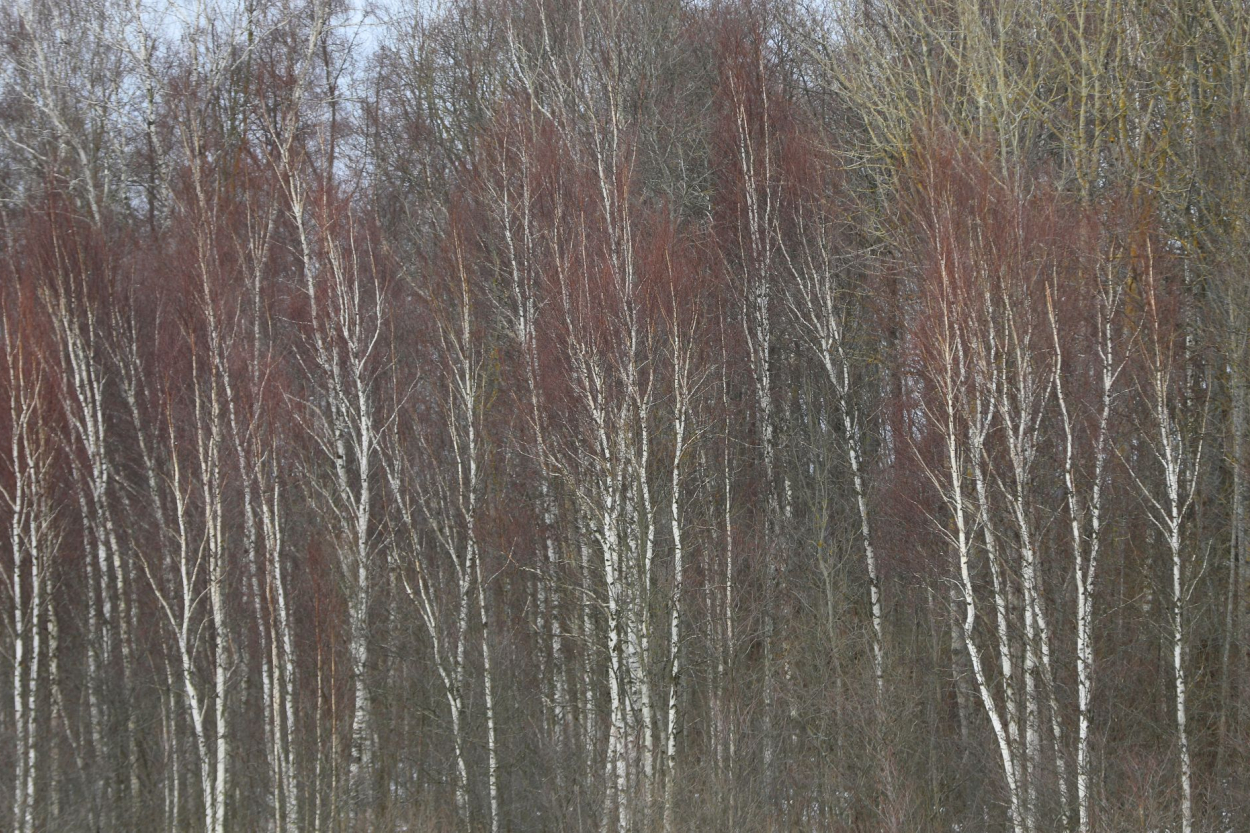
x=31 y=537
x=1086 y=546
x=1177 y=450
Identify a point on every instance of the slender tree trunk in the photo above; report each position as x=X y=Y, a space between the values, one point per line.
x=1178 y=668
x=674 y=683
x=492 y=744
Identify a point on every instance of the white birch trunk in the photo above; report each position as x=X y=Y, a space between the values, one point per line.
x=820 y=303
x=964 y=554
x=29 y=460
x=30 y=732
x=755 y=165
x=950 y=371
x=1178 y=667
x=492 y=744
x=674 y=683
x=77 y=327
x=1179 y=459
x=1085 y=551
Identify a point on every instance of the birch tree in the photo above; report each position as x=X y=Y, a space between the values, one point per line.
x=32 y=537
x=344 y=286
x=822 y=301
x=1173 y=440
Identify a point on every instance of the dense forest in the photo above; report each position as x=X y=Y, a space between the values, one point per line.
x=625 y=415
